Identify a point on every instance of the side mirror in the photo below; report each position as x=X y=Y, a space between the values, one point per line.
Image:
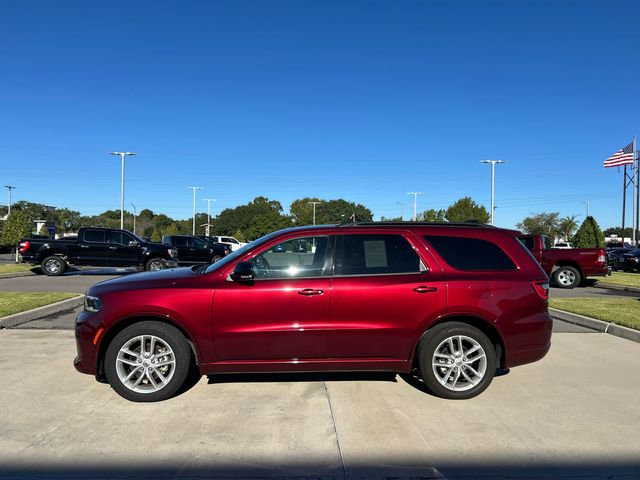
x=243 y=272
x=134 y=243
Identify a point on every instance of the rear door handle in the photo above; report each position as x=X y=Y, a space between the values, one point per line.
x=307 y=292
x=425 y=289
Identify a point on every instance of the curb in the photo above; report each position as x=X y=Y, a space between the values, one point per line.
x=619 y=288
x=16 y=274
x=598 y=325
x=34 y=314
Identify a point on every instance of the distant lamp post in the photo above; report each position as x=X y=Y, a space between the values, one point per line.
x=194 y=207
x=493 y=167
x=134 y=218
x=314 y=210
x=208 y=200
x=415 y=204
x=9 y=187
x=587 y=204
x=122 y=155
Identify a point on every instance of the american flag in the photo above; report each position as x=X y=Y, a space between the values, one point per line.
x=624 y=156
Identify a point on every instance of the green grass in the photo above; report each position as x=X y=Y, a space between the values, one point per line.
x=620 y=278
x=621 y=311
x=14 y=267
x=16 y=302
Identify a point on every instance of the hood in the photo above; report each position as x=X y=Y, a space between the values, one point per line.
x=158 y=279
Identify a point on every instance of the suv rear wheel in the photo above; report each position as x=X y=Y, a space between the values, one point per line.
x=457 y=361
x=148 y=362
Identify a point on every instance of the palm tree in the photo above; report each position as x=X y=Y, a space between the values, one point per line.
x=567 y=226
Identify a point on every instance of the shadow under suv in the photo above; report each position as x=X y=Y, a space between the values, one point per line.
x=453 y=302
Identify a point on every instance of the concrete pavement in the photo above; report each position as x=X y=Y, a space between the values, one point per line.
x=573 y=414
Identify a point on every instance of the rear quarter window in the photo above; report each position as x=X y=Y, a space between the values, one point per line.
x=470 y=254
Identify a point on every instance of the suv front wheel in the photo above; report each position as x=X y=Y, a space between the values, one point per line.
x=457 y=361
x=148 y=362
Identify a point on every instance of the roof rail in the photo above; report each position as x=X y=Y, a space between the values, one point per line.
x=469 y=223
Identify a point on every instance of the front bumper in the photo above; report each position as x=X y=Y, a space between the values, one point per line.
x=88 y=332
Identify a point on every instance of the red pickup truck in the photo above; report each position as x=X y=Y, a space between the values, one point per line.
x=567 y=267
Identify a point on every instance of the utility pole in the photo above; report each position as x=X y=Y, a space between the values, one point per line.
x=493 y=171
x=122 y=155
x=134 y=218
x=415 y=204
x=637 y=229
x=587 y=204
x=208 y=200
x=401 y=210
x=314 y=210
x=194 y=207
x=9 y=187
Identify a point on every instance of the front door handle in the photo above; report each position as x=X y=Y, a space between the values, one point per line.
x=425 y=289
x=112 y=248
x=307 y=292
x=84 y=246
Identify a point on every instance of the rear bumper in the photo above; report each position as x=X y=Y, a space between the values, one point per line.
x=602 y=271
x=531 y=342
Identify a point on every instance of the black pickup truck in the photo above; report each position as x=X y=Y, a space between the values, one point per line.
x=100 y=247
x=193 y=250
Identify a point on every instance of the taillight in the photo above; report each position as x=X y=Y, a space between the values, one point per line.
x=602 y=258
x=542 y=289
x=24 y=246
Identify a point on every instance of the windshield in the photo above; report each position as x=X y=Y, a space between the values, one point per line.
x=232 y=256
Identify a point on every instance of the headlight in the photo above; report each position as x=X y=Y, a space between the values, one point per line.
x=92 y=304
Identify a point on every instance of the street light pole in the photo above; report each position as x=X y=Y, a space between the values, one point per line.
x=587 y=204
x=314 y=210
x=194 y=207
x=208 y=200
x=9 y=187
x=134 y=218
x=415 y=204
x=401 y=210
x=493 y=170
x=122 y=155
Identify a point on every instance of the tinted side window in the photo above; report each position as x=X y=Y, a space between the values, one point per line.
x=527 y=242
x=94 y=236
x=196 y=243
x=376 y=255
x=179 y=241
x=470 y=253
x=120 y=238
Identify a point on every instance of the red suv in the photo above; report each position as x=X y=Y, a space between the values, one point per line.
x=453 y=302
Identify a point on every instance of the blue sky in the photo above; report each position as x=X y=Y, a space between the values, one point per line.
x=362 y=100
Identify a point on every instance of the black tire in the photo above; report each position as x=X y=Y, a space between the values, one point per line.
x=483 y=363
x=216 y=258
x=155 y=263
x=567 y=277
x=53 y=266
x=178 y=373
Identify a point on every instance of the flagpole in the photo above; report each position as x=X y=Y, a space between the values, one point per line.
x=637 y=219
x=624 y=198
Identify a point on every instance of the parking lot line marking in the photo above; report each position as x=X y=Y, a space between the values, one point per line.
x=335 y=428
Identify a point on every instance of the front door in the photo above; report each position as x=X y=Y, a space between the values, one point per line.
x=282 y=315
x=382 y=294
x=121 y=252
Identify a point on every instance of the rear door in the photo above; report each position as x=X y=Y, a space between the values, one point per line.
x=182 y=246
x=198 y=251
x=121 y=252
x=93 y=248
x=382 y=295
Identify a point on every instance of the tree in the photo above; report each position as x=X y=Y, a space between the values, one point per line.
x=66 y=220
x=566 y=226
x=261 y=214
x=155 y=236
x=328 y=211
x=466 y=209
x=302 y=211
x=17 y=226
x=43 y=231
x=541 y=223
x=589 y=234
x=432 y=215
x=391 y=219
x=171 y=230
x=239 y=235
